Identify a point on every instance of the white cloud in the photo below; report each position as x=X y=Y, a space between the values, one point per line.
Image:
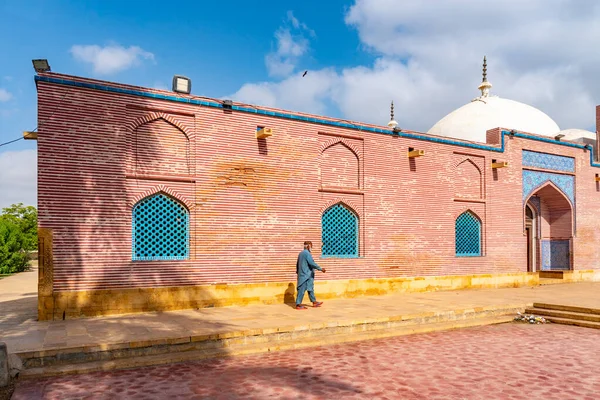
x=291 y=45
x=5 y=95
x=309 y=94
x=18 y=177
x=110 y=59
x=299 y=25
x=428 y=60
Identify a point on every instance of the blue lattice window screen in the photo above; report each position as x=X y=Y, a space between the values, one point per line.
x=339 y=232
x=160 y=229
x=468 y=235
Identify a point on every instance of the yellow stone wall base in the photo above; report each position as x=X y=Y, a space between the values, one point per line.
x=121 y=301
x=45 y=275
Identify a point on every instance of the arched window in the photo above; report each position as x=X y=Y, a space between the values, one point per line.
x=468 y=235
x=160 y=229
x=339 y=232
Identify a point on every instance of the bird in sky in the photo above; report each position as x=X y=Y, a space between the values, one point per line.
x=304 y=74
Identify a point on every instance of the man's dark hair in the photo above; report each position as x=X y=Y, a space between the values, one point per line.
x=307 y=243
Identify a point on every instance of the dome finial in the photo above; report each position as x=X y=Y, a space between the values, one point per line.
x=484 y=69
x=485 y=85
x=392 y=124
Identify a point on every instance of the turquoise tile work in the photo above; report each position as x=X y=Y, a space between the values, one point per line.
x=534 y=179
x=555 y=255
x=548 y=161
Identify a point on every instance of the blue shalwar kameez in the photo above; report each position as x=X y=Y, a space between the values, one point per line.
x=305 y=268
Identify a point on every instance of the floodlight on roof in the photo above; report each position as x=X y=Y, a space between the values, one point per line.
x=41 y=65
x=181 y=84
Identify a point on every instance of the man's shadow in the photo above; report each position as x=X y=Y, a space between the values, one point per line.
x=289 y=297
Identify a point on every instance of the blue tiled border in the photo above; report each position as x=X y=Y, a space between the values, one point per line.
x=548 y=161
x=112 y=89
x=532 y=180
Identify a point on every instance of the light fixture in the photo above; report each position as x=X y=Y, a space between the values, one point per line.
x=227 y=104
x=397 y=130
x=412 y=153
x=597 y=178
x=499 y=164
x=41 y=65
x=263 y=133
x=181 y=84
x=30 y=135
x=559 y=136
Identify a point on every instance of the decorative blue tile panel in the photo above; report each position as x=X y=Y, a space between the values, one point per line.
x=534 y=179
x=548 y=161
x=160 y=229
x=467 y=235
x=555 y=255
x=339 y=232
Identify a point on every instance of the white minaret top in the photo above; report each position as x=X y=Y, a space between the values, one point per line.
x=392 y=124
x=485 y=85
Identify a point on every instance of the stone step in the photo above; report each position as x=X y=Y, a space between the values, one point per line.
x=551 y=274
x=57 y=363
x=563 y=314
x=560 y=307
x=566 y=321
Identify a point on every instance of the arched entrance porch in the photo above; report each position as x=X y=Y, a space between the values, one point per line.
x=532 y=234
x=548 y=215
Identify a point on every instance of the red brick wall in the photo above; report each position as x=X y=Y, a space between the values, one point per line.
x=253 y=202
x=339 y=167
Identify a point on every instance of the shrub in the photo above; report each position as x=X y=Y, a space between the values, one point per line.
x=13 y=257
x=25 y=217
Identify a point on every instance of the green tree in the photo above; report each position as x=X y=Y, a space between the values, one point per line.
x=13 y=257
x=25 y=217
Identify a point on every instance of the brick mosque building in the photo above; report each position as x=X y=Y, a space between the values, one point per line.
x=155 y=200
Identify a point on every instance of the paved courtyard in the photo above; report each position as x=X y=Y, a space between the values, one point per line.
x=21 y=331
x=509 y=361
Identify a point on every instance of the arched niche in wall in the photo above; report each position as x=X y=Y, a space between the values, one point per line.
x=468 y=180
x=340 y=166
x=160 y=147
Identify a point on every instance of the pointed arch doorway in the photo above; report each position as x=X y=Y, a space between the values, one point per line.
x=549 y=229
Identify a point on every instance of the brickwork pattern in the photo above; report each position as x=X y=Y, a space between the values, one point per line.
x=489 y=363
x=253 y=202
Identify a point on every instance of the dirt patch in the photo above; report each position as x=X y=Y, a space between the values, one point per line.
x=6 y=392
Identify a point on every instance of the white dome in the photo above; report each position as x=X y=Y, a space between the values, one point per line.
x=577 y=135
x=471 y=121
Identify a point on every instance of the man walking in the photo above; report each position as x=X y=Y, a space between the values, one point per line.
x=305 y=268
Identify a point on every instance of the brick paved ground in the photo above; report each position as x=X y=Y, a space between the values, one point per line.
x=22 y=332
x=510 y=361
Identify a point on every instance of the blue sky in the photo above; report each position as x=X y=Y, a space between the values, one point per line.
x=218 y=47
x=360 y=54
